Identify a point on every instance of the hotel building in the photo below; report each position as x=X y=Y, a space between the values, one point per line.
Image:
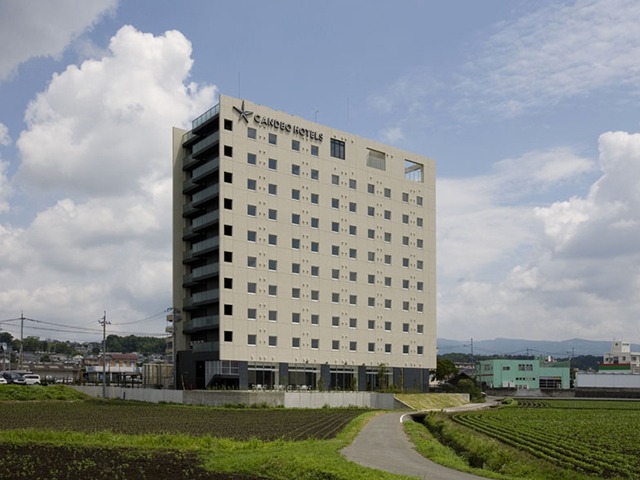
x=303 y=256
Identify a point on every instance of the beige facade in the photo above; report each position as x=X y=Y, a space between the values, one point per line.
x=303 y=255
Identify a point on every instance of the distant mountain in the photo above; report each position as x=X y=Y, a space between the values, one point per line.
x=509 y=346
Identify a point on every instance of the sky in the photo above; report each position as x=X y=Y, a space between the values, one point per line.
x=530 y=110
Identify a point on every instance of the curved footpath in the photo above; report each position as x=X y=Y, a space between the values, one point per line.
x=382 y=444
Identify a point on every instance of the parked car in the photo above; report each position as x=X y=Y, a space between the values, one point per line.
x=3 y=381
x=31 y=379
x=11 y=377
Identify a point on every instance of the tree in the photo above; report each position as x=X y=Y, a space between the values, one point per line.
x=445 y=369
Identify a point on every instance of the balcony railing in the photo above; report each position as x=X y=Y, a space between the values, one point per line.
x=205 y=347
x=205 y=220
x=200 y=323
x=205 y=144
x=206 y=194
x=205 y=170
x=205 y=117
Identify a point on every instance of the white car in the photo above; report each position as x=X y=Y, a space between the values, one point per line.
x=31 y=379
x=3 y=381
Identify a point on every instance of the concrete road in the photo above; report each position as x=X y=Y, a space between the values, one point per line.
x=382 y=444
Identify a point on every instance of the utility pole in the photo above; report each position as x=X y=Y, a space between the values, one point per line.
x=21 y=358
x=103 y=322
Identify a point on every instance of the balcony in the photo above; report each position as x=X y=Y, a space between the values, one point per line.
x=204 y=145
x=205 y=195
x=189 y=139
x=189 y=162
x=205 y=246
x=190 y=210
x=202 y=298
x=189 y=186
x=201 y=323
x=205 y=347
x=205 y=170
x=201 y=273
x=205 y=118
x=205 y=220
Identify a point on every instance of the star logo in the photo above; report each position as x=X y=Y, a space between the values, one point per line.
x=244 y=114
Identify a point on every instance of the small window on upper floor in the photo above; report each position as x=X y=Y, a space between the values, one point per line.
x=228 y=177
x=295 y=145
x=228 y=204
x=228 y=124
x=295 y=169
x=376 y=159
x=413 y=171
x=273 y=164
x=353 y=183
x=335 y=179
x=371 y=188
x=314 y=150
x=387 y=192
x=273 y=139
x=315 y=174
x=252 y=133
x=337 y=148
x=251 y=158
x=228 y=151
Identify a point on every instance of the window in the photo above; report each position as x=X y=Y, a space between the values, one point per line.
x=228 y=309
x=353 y=276
x=315 y=247
x=376 y=160
x=353 y=253
x=252 y=313
x=228 y=124
x=315 y=343
x=335 y=250
x=405 y=197
x=335 y=203
x=335 y=179
x=420 y=350
x=419 y=222
x=371 y=279
x=353 y=299
x=371 y=211
x=273 y=139
x=335 y=273
x=273 y=214
x=273 y=265
x=335 y=297
x=405 y=306
x=387 y=192
x=371 y=302
x=387 y=326
x=251 y=287
x=251 y=158
x=371 y=347
x=335 y=321
x=228 y=282
x=387 y=281
x=405 y=349
x=371 y=233
x=251 y=133
x=387 y=259
x=295 y=243
x=405 y=218
x=420 y=307
x=315 y=270
x=295 y=218
x=295 y=342
x=419 y=243
x=273 y=189
x=371 y=188
x=314 y=150
x=405 y=240
x=315 y=198
x=251 y=210
x=273 y=341
x=295 y=317
x=295 y=292
x=371 y=324
x=387 y=303
x=419 y=200
x=251 y=262
x=251 y=184
x=387 y=237
x=251 y=339
x=315 y=295
x=335 y=344
x=420 y=286
x=419 y=264
x=405 y=284
x=353 y=230
x=387 y=214
x=337 y=148
x=228 y=257
x=228 y=230
x=273 y=290
x=295 y=145
x=353 y=183
x=371 y=256
x=273 y=239
x=353 y=207
x=420 y=328
x=315 y=174
x=295 y=194
x=273 y=164
x=295 y=268
x=353 y=323
x=251 y=236
x=295 y=169
x=405 y=328
x=405 y=262
x=315 y=319
x=335 y=227
x=387 y=348
x=228 y=177
x=228 y=151
x=315 y=222
x=353 y=346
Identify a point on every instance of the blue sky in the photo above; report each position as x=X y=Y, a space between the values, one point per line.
x=530 y=110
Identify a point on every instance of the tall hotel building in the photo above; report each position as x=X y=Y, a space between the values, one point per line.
x=303 y=256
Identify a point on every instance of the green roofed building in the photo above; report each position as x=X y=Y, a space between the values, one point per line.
x=523 y=374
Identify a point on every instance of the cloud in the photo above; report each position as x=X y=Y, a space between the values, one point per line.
x=98 y=140
x=567 y=269
x=5 y=139
x=44 y=28
x=557 y=52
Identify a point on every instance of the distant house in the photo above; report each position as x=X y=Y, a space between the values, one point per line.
x=523 y=374
x=119 y=368
x=620 y=359
x=618 y=375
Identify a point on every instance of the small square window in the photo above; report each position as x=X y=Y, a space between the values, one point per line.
x=405 y=350
x=335 y=250
x=228 y=124
x=252 y=133
x=371 y=324
x=371 y=279
x=337 y=148
x=295 y=145
x=315 y=295
x=335 y=344
x=353 y=207
x=420 y=286
x=387 y=326
x=273 y=164
x=295 y=169
x=315 y=174
x=251 y=184
x=295 y=243
x=315 y=222
x=251 y=236
x=387 y=214
x=405 y=218
x=387 y=259
x=335 y=273
x=419 y=243
x=419 y=200
x=405 y=197
x=295 y=218
x=251 y=158
x=295 y=194
x=273 y=189
x=273 y=265
x=315 y=198
x=251 y=262
x=252 y=313
x=371 y=211
x=405 y=240
x=295 y=268
x=419 y=264
x=371 y=302
x=228 y=230
x=387 y=303
x=371 y=233
x=295 y=317
x=228 y=309
x=273 y=290
x=387 y=281
x=315 y=319
x=353 y=323
x=353 y=253
x=335 y=179
x=420 y=350
x=420 y=307
x=228 y=257
x=273 y=239
x=353 y=299
x=251 y=210
x=252 y=287
x=353 y=230
x=273 y=341
x=314 y=150
x=405 y=284
x=387 y=237
x=353 y=183
x=335 y=297
x=371 y=256
x=315 y=247
x=335 y=321
x=419 y=222
x=273 y=214
x=371 y=347
x=420 y=328
x=295 y=342
x=371 y=188
x=228 y=177
x=295 y=292
x=228 y=151
x=387 y=192
x=335 y=227
x=228 y=204
x=405 y=328
x=228 y=282
x=405 y=306
x=273 y=139
x=315 y=270
x=353 y=346
x=315 y=343
x=405 y=262
x=353 y=276
x=251 y=339
x=335 y=203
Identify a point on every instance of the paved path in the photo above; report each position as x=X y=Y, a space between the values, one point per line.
x=382 y=444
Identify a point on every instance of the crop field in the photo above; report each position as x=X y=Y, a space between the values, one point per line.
x=138 y=418
x=596 y=437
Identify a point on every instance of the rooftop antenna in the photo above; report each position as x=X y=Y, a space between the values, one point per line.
x=315 y=116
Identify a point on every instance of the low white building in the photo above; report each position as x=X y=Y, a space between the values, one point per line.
x=620 y=359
